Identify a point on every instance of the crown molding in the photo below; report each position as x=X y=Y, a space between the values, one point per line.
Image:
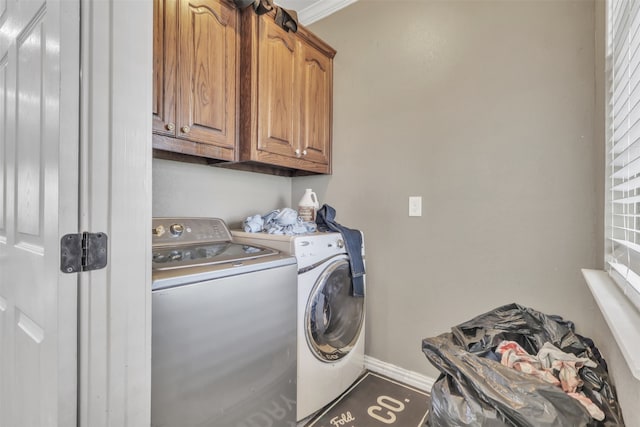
x=321 y=9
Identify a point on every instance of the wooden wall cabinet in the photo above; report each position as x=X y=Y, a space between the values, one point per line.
x=286 y=98
x=195 y=75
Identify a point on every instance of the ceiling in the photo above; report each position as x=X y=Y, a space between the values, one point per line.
x=310 y=11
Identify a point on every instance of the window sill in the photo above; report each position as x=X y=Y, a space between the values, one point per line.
x=621 y=316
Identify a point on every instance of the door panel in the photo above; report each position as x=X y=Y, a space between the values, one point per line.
x=3 y=146
x=316 y=89
x=277 y=112
x=207 y=57
x=165 y=18
x=28 y=339
x=38 y=66
x=30 y=47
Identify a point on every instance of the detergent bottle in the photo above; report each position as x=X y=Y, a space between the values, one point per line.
x=308 y=205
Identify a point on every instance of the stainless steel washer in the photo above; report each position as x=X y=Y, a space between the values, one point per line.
x=224 y=329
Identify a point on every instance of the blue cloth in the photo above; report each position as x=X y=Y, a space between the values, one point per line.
x=285 y=221
x=253 y=224
x=325 y=219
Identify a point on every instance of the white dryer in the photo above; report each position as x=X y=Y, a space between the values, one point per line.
x=330 y=320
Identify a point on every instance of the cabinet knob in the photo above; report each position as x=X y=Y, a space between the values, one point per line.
x=170 y=126
x=185 y=129
x=304 y=152
x=297 y=152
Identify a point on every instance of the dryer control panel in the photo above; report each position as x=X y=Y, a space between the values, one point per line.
x=318 y=247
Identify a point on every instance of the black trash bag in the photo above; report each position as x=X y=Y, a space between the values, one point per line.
x=474 y=389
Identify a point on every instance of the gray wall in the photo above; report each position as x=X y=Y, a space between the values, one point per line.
x=486 y=110
x=627 y=386
x=185 y=189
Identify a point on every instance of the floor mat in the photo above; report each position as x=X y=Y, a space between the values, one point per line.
x=376 y=401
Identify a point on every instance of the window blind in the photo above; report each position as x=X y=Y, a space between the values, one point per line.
x=623 y=147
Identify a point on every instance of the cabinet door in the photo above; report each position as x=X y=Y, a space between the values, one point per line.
x=316 y=89
x=278 y=107
x=207 y=72
x=165 y=17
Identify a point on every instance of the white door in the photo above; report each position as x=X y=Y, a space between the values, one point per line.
x=39 y=119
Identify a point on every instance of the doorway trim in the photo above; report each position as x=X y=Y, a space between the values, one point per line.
x=114 y=348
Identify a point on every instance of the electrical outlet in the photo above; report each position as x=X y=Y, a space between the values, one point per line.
x=415 y=205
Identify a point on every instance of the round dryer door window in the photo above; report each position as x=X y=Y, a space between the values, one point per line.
x=334 y=316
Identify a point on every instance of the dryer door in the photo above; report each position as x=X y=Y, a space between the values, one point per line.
x=333 y=318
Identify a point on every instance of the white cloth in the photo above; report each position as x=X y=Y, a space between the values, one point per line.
x=551 y=365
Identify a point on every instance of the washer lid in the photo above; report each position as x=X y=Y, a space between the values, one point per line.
x=174 y=257
x=334 y=317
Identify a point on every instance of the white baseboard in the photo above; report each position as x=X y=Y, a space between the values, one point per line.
x=414 y=379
